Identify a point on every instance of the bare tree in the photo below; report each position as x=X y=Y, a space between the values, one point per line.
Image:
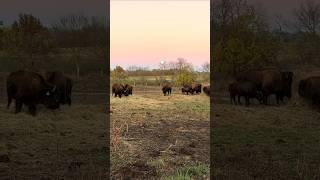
x=163 y=65
x=308 y=16
x=183 y=64
x=205 y=67
x=80 y=34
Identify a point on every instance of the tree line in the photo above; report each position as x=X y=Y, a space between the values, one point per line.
x=179 y=72
x=243 y=38
x=70 y=40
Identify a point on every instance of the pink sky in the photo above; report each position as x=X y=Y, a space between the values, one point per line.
x=147 y=32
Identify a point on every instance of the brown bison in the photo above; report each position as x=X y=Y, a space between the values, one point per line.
x=197 y=88
x=30 y=89
x=118 y=90
x=309 y=88
x=269 y=82
x=64 y=85
x=246 y=89
x=166 y=89
x=127 y=90
x=187 y=89
x=206 y=90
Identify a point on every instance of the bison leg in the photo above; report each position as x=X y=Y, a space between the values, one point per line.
x=239 y=100
x=32 y=109
x=278 y=99
x=69 y=101
x=18 y=106
x=247 y=101
x=9 y=102
x=265 y=99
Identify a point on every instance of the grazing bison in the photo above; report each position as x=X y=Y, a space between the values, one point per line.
x=269 y=82
x=196 y=88
x=64 y=85
x=187 y=89
x=246 y=89
x=206 y=90
x=166 y=89
x=127 y=90
x=30 y=88
x=118 y=90
x=309 y=88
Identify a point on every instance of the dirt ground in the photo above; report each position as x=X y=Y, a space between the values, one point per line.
x=155 y=136
x=265 y=142
x=69 y=143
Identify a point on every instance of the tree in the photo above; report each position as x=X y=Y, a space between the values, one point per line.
x=119 y=74
x=28 y=37
x=242 y=38
x=185 y=72
x=82 y=36
x=308 y=17
x=185 y=77
x=206 y=67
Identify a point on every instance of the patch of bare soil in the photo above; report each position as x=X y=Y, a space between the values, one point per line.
x=153 y=135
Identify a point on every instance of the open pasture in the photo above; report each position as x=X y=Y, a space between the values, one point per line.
x=265 y=141
x=67 y=143
x=155 y=136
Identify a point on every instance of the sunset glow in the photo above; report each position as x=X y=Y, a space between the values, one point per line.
x=145 y=33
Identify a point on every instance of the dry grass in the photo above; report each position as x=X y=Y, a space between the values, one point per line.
x=69 y=143
x=160 y=134
x=266 y=142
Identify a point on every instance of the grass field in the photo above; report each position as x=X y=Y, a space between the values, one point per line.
x=160 y=137
x=265 y=142
x=69 y=143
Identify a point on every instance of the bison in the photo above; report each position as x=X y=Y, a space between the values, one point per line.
x=127 y=90
x=166 y=89
x=246 y=89
x=309 y=88
x=118 y=90
x=196 y=88
x=64 y=85
x=269 y=82
x=30 y=89
x=187 y=89
x=206 y=90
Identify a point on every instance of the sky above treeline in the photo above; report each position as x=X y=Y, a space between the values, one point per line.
x=144 y=33
x=273 y=8
x=50 y=10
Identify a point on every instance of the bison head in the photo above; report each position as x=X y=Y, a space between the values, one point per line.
x=50 y=98
x=125 y=92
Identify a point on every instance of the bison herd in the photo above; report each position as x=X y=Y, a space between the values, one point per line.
x=31 y=88
x=119 y=89
x=260 y=84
